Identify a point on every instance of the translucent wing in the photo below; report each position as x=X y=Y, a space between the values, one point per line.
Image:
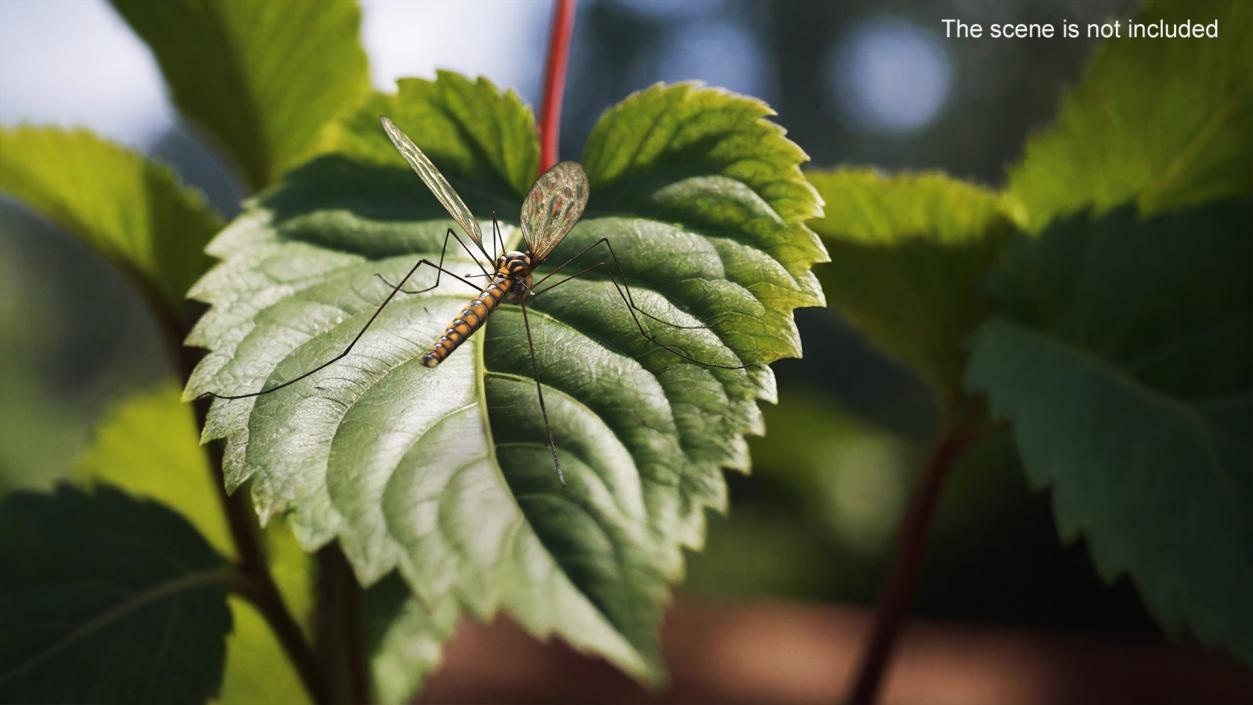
x=553 y=206
x=435 y=181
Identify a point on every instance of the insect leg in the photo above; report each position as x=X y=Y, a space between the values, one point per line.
x=632 y=308
x=630 y=298
x=440 y=266
x=539 y=389
x=585 y=270
x=342 y=355
x=496 y=233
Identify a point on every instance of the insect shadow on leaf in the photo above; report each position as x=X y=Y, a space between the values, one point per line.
x=551 y=209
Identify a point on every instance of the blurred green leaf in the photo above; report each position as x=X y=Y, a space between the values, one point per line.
x=909 y=254
x=108 y=599
x=1122 y=360
x=257 y=668
x=263 y=78
x=126 y=207
x=827 y=493
x=148 y=446
x=403 y=637
x=445 y=473
x=1161 y=122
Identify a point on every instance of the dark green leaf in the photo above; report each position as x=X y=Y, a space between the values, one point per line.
x=1122 y=359
x=909 y=254
x=107 y=599
x=446 y=474
x=147 y=446
x=124 y=206
x=1161 y=122
x=263 y=78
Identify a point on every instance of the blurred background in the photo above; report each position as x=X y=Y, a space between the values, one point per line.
x=855 y=82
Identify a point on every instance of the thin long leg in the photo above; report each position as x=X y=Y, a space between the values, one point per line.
x=440 y=266
x=632 y=308
x=496 y=230
x=585 y=270
x=621 y=275
x=348 y=349
x=539 y=389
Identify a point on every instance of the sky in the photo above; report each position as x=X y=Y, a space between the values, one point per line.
x=76 y=63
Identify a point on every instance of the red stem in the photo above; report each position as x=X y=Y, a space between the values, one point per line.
x=555 y=81
x=898 y=593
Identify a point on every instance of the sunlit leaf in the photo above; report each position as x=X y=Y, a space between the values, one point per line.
x=108 y=599
x=1122 y=361
x=1161 y=122
x=124 y=206
x=445 y=474
x=263 y=78
x=908 y=257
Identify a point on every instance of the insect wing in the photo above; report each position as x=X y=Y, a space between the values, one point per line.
x=553 y=206
x=434 y=181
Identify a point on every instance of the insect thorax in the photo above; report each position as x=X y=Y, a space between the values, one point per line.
x=516 y=266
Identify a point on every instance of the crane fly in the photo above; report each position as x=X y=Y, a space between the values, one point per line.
x=552 y=207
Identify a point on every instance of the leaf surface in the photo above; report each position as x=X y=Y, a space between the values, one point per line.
x=909 y=254
x=128 y=208
x=445 y=474
x=263 y=78
x=404 y=638
x=147 y=446
x=108 y=599
x=1122 y=360
x=1161 y=122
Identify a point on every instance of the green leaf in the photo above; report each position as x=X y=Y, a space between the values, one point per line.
x=148 y=446
x=257 y=668
x=1122 y=360
x=403 y=638
x=107 y=599
x=127 y=208
x=909 y=254
x=263 y=78
x=445 y=474
x=1163 y=123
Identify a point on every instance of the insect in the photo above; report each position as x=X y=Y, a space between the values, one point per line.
x=551 y=209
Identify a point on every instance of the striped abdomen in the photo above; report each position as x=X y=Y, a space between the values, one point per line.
x=469 y=319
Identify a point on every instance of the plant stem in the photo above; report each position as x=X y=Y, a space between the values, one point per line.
x=898 y=593
x=555 y=81
x=354 y=643
x=261 y=588
x=339 y=637
x=258 y=586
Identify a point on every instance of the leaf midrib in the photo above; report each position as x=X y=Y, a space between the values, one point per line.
x=1181 y=161
x=257 y=171
x=1152 y=397
x=134 y=602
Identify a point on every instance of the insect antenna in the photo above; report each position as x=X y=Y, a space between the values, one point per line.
x=539 y=389
x=374 y=316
